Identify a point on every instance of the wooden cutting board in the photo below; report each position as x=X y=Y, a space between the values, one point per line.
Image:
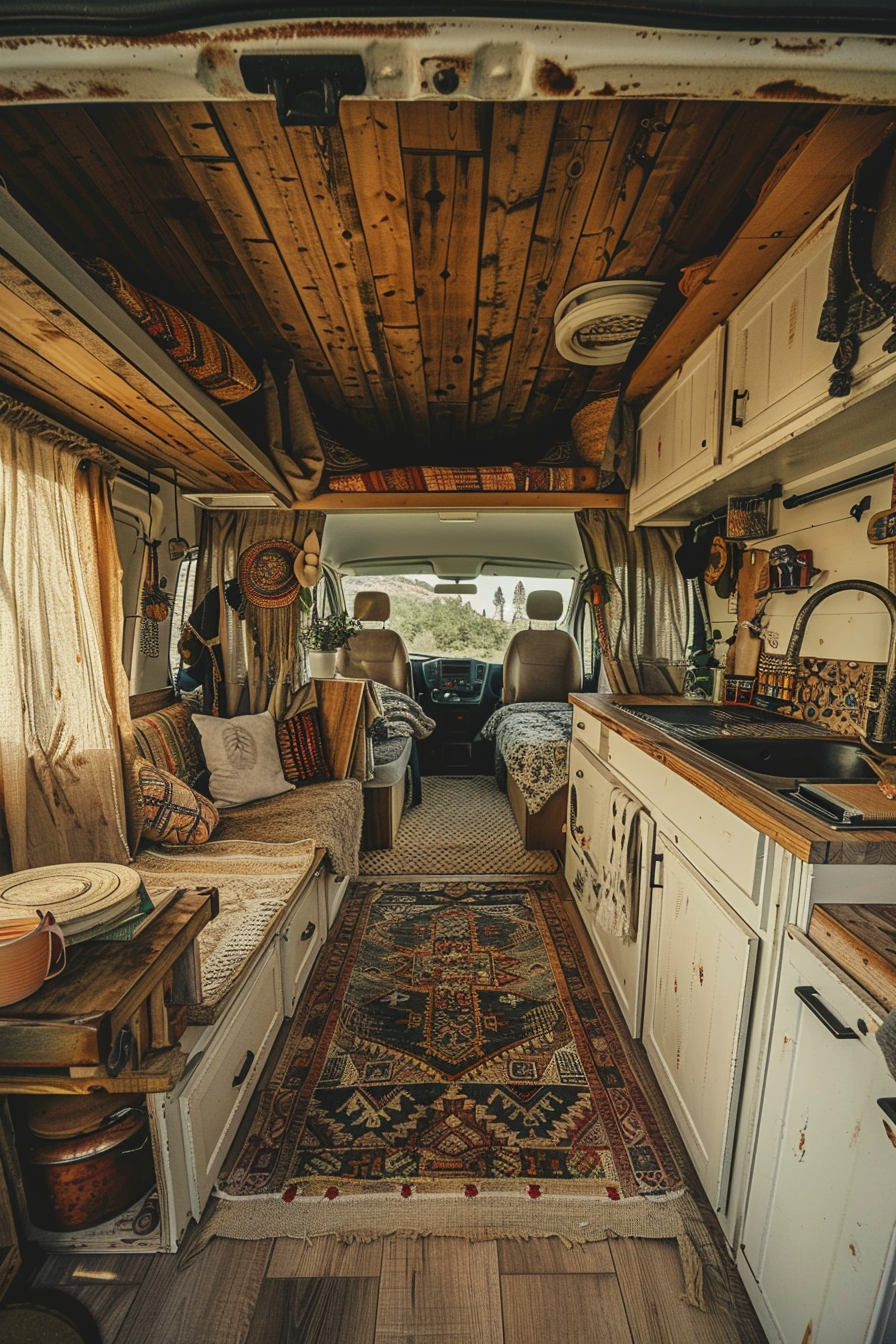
x=753 y=578
x=861 y=939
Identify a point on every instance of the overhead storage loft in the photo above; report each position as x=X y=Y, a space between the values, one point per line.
x=409 y=260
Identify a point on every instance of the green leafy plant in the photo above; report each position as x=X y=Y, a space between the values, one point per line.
x=326 y=634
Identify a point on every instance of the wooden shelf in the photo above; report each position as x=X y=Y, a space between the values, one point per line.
x=70 y=348
x=483 y=501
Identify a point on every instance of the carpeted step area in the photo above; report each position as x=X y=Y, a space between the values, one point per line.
x=463 y=825
x=454 y=1069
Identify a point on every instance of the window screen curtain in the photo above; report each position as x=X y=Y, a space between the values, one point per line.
x=263 y=663
x=64 y=716
x=643 y=620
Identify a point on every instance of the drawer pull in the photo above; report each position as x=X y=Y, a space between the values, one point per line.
x=888 y=1106
x=738 y=420
x=580 y=774
x=244 y=1071
x=808 y=995
x=580 y=724
x=309 y=932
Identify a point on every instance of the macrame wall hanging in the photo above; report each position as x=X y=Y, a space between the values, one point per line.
x=154 y=601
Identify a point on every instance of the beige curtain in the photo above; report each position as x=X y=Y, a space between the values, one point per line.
x=643 y=621
x=260 y=653
x=64 y=695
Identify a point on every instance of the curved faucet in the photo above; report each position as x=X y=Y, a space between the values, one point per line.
x=884 y=730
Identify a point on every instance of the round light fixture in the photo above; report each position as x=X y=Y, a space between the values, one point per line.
x=598 y=323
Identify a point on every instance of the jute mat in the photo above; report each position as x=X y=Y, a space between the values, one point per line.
x=456 y=1071
x=463 y=825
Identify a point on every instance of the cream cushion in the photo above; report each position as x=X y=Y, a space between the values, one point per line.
x=242 y=757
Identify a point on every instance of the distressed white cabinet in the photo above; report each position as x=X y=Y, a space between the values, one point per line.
x=700 y=974
x=818 y=1235
x=678 y=432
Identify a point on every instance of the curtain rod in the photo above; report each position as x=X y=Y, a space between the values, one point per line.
x=794 y=501
x=151 y=487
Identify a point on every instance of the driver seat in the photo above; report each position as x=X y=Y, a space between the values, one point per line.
x=378 y=654
x=542 y=664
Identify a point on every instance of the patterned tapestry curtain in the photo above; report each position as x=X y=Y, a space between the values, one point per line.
x=64 y=716
x=643 y=615
x=260 y=654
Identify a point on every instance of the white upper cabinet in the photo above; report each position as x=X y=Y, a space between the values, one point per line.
x=777 y=369
x=678 y=432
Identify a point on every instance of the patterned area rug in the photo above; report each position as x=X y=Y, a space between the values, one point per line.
x=463 y=825
x=455 y=1071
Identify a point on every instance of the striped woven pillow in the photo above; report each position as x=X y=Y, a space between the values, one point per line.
x=170 y=741
x=301 y=749
x=173 y=813
x=201 y=352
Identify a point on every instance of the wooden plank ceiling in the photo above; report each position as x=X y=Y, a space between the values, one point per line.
x=410 y=259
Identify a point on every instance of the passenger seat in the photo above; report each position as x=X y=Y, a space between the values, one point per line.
x=542 y=664
x=378 y=654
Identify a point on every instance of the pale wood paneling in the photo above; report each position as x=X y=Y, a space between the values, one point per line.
x=439 y=1289
x=210 y=1300
x=543 y=1309
x=315 y=1311
x=649 y=1275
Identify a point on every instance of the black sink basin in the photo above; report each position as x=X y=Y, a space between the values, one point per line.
x=809 y=758
x=700 y=719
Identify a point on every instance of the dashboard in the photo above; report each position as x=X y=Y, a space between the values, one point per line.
x=455 y=681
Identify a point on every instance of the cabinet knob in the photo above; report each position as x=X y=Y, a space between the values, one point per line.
x=737 y=419
x=308 y=933
x=581 y=723
x=580 y=774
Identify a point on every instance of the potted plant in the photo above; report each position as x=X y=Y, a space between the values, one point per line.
x=323 y=636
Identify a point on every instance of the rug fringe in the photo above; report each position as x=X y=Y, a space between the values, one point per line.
x=365 y=1219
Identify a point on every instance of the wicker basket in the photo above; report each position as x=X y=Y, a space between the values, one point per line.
x=590 y=426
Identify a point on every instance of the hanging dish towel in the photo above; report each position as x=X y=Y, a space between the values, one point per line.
x=616 y=907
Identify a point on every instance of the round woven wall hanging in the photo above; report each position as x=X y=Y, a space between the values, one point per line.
x=267 y=573
x=598 y=323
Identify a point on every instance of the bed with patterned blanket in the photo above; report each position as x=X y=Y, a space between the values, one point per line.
x=532 y=766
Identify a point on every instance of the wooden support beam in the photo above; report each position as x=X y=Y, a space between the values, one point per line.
x=473 y=501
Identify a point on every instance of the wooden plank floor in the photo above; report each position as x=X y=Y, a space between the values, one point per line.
x=433 y=1290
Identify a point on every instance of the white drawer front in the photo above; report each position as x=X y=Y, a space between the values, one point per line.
x=735 y=849
x=211 y=1102
x=586 y=729
x=301 y=940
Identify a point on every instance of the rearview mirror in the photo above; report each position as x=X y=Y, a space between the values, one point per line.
x=455 y=588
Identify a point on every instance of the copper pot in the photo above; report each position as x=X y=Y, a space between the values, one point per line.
x=86 y=1179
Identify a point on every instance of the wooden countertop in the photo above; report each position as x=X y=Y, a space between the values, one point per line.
x=769 y=812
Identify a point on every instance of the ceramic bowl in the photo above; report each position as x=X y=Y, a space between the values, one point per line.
x=32 y=950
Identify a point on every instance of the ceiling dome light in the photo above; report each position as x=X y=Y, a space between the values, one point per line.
x=598 y=323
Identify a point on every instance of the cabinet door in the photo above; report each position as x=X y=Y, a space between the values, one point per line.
x=777 y=369
x=699 y=985
x=679 y=432
x=591 y=785
x=822 y=1202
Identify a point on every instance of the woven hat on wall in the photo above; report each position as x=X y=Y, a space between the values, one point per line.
x=267 y=573
x=598 y=323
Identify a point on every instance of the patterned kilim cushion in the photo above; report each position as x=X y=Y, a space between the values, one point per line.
x=205 y=356
x=301 y=749
x=169 y=739
x=173 y=813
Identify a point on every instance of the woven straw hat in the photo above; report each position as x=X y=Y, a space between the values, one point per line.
x=267 y=574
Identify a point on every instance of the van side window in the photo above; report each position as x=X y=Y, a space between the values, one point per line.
x=181 y=606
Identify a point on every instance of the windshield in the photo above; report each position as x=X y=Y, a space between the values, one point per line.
x=467 y=625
